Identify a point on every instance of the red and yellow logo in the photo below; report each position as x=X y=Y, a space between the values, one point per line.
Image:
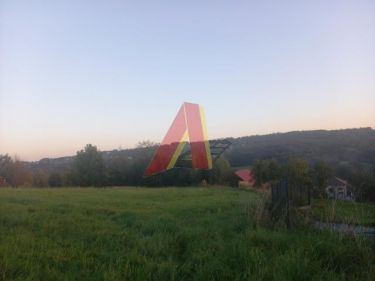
x=189 y=125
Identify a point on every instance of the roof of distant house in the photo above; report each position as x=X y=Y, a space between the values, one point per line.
x=245 y=175
x=337 y=182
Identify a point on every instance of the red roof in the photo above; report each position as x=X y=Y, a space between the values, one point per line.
x=245 y=175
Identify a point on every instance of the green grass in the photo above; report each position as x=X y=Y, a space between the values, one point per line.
x=162 y=234
x=344 y=212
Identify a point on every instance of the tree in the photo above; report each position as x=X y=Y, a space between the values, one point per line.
x=220 y=172
x=40 y=179
x=298 y=172
x=14 y=171
x=364 y=184
x=5 y=168
x=146 y=144
x=55 y=180
x=89 y=167
x=321 y=174
x=265 y=171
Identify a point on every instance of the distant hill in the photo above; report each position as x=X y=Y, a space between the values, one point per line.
x=347 y=148
x=337 y=147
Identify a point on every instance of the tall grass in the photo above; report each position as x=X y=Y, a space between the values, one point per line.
x=163 y=234
x=344 y=212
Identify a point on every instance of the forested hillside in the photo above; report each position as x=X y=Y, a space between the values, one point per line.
x=350 y=147
x=339 y=148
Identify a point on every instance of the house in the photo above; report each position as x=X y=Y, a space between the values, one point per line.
x=246 y=178
x=339 y=189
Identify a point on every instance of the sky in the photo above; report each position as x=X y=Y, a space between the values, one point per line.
x=113 y=73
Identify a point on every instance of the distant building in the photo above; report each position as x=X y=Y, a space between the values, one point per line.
x=246 y=178
x=339 y=189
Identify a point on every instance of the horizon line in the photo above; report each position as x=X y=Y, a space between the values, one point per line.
x=243 y=136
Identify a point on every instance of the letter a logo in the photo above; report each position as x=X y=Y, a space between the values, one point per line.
x=189 y=125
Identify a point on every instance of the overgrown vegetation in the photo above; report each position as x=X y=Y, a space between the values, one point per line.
x=163 y=234
x=344 y=212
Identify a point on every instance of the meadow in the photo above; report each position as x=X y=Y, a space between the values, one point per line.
x=344 y=212
x=164 y=234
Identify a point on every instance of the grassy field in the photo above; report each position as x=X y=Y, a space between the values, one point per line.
x=163 y=234
x=344 y=211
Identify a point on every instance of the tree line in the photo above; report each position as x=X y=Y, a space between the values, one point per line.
x=90 y=168
x=309 y=158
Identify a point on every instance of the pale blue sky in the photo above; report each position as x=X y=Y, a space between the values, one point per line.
x=113 y=73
